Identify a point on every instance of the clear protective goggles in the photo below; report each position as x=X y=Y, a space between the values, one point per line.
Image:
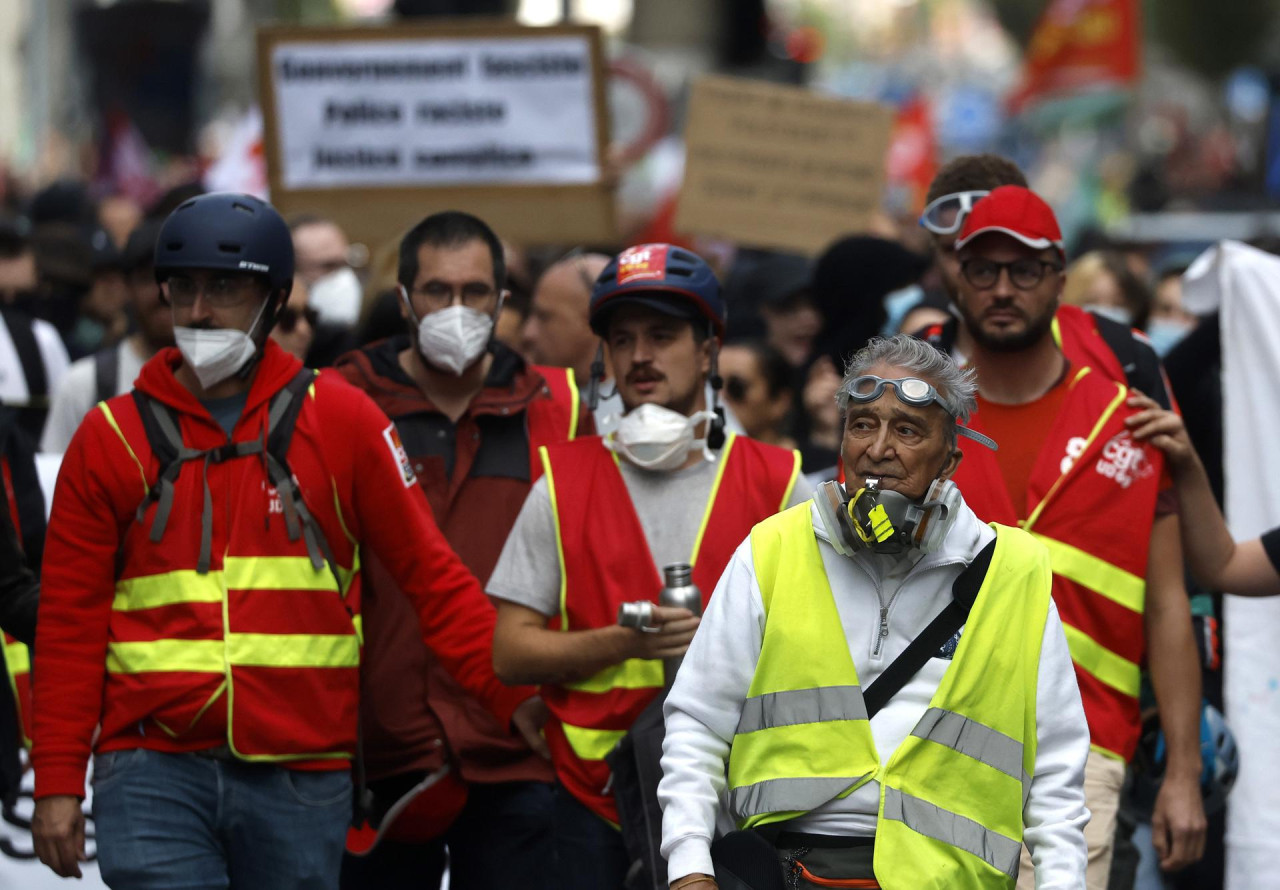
x=946 y=215
x=910 y=391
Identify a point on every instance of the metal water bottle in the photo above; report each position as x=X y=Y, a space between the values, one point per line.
x=678 y=591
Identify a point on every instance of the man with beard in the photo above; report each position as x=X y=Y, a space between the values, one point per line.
x=668 y=486
x=1069 y=472
x=1108 y=346
x=112 y=371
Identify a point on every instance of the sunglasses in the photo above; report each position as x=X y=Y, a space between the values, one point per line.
x=946 y=215
x=910 y=391
x=289 y=317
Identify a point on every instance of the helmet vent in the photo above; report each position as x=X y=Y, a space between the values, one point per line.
x=228 y=247
x=243 y=208
x=676 y=270
x=173 y=245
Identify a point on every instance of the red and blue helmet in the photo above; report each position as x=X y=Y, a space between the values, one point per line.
x=663 y=277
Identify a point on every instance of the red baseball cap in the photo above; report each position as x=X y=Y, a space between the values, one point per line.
x=1017 y=212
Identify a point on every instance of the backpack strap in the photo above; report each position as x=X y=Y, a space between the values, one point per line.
x=1139 y=361
x=164 y=435
x=21 y=330
x=964 y=592
x=106 y=372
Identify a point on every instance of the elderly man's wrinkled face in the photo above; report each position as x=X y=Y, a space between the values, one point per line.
x=905 y=446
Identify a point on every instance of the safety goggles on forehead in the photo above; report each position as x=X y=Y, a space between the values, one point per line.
x=910 y=391
x=946 y=215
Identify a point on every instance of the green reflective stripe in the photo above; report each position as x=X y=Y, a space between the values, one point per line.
x=205 y=656
x=1098 y=575
x=276 y=573
x=789 y=795
x=293 y=650
x=792 y=707
x=922 y=817
x=167 y=589
x=591 y=744
x=634 y=673
x=972 y=739
x=17 y=658
x=1093 y=658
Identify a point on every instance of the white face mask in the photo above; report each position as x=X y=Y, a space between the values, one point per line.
x=337 y=297
x=453 y=339
x=656 y=438
x=216 y=354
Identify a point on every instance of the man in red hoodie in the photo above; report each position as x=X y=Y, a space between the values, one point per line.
x=201 y=598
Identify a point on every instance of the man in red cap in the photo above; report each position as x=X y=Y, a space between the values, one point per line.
x=1069 y=472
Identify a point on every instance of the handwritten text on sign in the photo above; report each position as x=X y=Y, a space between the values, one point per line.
x=483 y=111
x=778 y=166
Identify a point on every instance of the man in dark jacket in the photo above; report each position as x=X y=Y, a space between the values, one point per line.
x=471 y=415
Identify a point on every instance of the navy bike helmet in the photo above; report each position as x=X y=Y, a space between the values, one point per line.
x=225 y=230
x=664 y=277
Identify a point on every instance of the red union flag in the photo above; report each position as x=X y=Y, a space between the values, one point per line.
x=1080 y=45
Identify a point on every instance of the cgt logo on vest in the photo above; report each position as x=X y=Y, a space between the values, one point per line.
x=1122 y=460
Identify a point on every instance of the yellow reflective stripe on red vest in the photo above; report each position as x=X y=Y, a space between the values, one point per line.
x=555 y=522
x=1100 y=576
x=293 y=650
x=239 y=650
x=634 y=673
x=17 y=658
x=711 y=499
x=111 y=419
x=238 y=573
x=1095 y=659
x=591 y=744
x=203 y=656
x=575 y=401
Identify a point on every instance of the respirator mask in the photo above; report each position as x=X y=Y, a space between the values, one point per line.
x=656 y=438
x=886 y=522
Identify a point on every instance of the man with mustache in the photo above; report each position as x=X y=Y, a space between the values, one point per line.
x=668 y=486
x=1070 y=472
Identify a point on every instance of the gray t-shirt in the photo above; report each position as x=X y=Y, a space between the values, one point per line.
x=670 y=507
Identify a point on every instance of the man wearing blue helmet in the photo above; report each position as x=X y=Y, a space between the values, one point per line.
x=200 y=628
x=667 y=486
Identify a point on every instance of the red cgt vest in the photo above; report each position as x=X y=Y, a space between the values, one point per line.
x=1091 y=500
x=605 y=563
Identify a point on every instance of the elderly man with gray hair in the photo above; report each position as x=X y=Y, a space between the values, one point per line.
x=880 y=692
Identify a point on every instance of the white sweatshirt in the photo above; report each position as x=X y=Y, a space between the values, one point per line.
x=704 y=705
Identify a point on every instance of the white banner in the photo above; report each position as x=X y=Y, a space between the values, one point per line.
x=428 y=112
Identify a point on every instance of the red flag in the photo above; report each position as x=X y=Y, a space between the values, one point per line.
x=1078 y=46
x=913 y=157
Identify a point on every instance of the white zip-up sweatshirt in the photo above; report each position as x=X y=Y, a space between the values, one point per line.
x=883 y=603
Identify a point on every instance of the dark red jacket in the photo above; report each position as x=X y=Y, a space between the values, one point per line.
x=360 y=490
x=476 y=474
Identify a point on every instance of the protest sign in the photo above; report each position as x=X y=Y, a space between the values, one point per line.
x=779 y=166
x=377 y=127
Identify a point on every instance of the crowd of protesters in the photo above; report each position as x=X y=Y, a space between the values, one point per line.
x=483 y=374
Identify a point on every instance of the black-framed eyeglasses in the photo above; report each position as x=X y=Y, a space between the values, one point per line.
x=1025 y=273
x=946 y=215
x=473 y=294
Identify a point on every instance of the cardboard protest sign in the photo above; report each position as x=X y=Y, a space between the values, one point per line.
x=779 y=166
x=378 y=127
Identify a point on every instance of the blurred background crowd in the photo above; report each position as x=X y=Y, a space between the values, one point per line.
x=113 y=113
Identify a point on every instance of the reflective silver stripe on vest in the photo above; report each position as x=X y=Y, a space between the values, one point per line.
x=922 y=817
x=821 y=705
x=971 y=738
x=786 y=795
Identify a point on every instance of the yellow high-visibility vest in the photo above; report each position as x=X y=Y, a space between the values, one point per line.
x=952 y=794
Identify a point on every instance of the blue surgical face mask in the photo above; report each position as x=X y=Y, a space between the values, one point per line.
x=1165 y=333
x=1115 y=313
